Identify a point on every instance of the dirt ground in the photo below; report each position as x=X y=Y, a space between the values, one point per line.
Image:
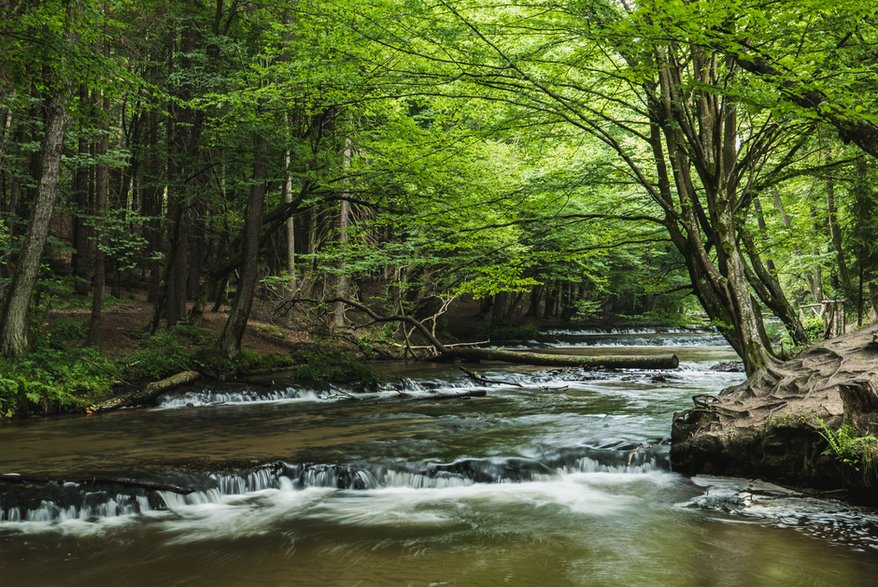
x=774 y=425
x=123 y=326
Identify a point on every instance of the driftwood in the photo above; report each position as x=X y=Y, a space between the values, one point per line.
x=664 y=361
x=404 y=397
x=148 y=394
x=19 y=479
x=479 y=379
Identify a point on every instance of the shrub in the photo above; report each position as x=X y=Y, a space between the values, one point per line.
x=814 y=328
x=160 y=355
x=526 y=331
x=49 y=380
x=322 y=365
x=854 y=452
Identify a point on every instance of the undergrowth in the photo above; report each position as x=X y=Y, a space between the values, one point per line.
x=856 y=453
x=58 y=375
x=53 y=380
x=322 y=364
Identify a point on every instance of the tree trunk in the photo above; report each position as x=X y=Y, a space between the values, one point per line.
x=290 y=225
x=13 y=331
x=81 y=258
x=696 y=151
x=152 y=205
x=863 y=235
x=498 y=310
x=102 y=188
x=344 y=219
x=812 y=278
x=835 y=236
x=230 y=341
x=664 y=361
x=769 y=291
x=763 y=229
x=533 y=308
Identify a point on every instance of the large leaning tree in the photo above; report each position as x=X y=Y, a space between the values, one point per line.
x=672 y=109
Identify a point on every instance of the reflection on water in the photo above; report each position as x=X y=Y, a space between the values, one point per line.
x=554 y=478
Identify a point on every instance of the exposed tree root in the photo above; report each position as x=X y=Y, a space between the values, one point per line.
x=769 y=425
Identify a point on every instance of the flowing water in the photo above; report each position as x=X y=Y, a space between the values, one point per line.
x=554 y=477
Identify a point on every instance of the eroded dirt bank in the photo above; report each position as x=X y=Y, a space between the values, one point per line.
x=774 y=425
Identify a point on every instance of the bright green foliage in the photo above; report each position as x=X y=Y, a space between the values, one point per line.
x=50 y=380
x=164 y=353
x=489 y=150
x=855 y=452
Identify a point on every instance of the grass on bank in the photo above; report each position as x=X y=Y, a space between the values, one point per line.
x=59 y=375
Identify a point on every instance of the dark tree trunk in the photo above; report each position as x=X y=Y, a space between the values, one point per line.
x=533 y=308
x=152 y=205
x=835 y=236
x=551 y=300
x=13 y=331
x=102 y=188
x=230 y=341
x=498 y=311
x=81 y=258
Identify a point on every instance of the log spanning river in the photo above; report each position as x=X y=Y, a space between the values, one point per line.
x=554 y=478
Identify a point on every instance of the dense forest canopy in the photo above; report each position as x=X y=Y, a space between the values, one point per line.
x=571 y=159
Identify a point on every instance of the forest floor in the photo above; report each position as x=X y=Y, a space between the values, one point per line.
x=124 y=325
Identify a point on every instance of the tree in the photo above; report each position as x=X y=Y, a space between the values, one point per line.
x=667 y=109
x=52 y=31
x=13 y=331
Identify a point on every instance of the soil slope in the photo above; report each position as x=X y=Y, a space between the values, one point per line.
x=770 y=425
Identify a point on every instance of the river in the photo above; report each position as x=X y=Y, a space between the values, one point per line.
x=553 y=478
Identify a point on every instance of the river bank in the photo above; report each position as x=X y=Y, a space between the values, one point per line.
x=60 y=375
x=808 y=421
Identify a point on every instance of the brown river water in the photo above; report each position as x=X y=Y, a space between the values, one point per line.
x=554 y=478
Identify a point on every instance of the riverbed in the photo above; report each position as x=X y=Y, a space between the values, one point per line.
x=553 y=478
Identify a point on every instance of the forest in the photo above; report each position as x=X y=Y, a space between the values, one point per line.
x=439 y=292
x=319 y=162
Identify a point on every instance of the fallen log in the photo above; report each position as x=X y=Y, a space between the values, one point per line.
x=404 y=397
x=148 y=394
x=448 y=353
x=663 y=361
x=19 y=479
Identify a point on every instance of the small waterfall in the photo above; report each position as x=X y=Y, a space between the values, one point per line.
x=210 y=397
x=57 y=503
x=590 y=465
x=620 y=337
x=86 y=506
